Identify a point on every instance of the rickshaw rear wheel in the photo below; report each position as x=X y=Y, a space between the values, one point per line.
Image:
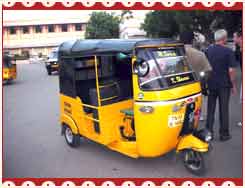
x=49 y=71
x=9 y=81
x=194 y=162
x=72 y=139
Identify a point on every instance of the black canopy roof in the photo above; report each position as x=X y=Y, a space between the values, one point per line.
x=92 y=46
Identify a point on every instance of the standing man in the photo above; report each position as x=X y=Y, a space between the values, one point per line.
x=237 y=38
x=198 y=62
x=221 y=82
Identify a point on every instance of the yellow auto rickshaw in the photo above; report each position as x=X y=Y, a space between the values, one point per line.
x=136 y=97
x=9 y=68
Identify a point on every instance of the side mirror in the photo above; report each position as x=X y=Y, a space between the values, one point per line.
x=141 y=67
x=121 y=56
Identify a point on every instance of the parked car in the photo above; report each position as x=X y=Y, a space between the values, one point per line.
x=34 y=58
x=51 y=63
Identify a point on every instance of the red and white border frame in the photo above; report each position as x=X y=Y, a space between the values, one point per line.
x=120 y=5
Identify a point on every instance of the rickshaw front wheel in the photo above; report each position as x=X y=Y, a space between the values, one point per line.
x=72 y=139
x=194 y=162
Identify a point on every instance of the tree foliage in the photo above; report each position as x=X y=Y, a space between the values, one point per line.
x=230 y=20
x=170 y=23
x=102 y=25
x=160 y=23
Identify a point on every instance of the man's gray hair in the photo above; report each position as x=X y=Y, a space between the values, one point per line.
x=220 y=34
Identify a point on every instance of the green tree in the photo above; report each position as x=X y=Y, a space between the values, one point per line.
x=170 y=23
x=197 y=20
x=160 y=24
x=102 y=25
x=229 y=20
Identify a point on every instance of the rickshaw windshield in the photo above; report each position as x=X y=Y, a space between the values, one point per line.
x=53 y=55
x=166 y=65
x=7 y=62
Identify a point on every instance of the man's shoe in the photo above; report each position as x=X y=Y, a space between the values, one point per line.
x=224 y=138
x=201 y=118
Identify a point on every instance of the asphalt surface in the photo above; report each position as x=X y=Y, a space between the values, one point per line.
x=34 y=147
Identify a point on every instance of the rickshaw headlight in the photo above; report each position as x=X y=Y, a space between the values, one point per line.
x=208 y=137
x=202 y=74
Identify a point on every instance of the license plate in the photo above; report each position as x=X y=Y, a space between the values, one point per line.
x=54 y=65
x=175 y=120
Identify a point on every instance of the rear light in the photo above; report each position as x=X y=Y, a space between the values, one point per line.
x=198 y=112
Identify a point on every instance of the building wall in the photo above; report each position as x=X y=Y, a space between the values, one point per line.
x=42 y=42
x=131 y=28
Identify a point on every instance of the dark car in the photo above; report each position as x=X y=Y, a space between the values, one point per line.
x=52 y=64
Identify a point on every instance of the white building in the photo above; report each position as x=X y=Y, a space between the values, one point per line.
x=36 y=32
x=131 y=28
x=39 y=31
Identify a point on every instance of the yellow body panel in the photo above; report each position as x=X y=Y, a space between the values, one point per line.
x=192 y=142
x=127 y=148
x=73 y=108
x=155 y=135
x=169 y=94
x=111 y=119
x=67 y=120
x=9 y=73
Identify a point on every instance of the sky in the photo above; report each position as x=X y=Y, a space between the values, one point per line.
x=14 y=15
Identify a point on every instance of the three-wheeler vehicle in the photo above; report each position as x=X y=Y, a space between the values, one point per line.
x=9 y=68
x=137 y=97
x=52 y=64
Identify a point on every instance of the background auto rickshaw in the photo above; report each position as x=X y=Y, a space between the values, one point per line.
x=137 y=97
x=9 y=68
x=51 y=63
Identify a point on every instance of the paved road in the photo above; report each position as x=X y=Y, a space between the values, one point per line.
x=33 y=146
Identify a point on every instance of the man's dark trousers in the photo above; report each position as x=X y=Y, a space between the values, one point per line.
x=223 y=95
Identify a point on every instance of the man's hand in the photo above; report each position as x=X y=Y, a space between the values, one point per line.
x=232 y=74
x=234 y=90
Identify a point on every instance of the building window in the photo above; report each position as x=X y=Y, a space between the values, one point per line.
x=50 y=28
x=25 y=29
x=78 y=27
x=12 y=30
x=84 y=27
x=64 y=28
x=6 y=31
x=38 y=29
